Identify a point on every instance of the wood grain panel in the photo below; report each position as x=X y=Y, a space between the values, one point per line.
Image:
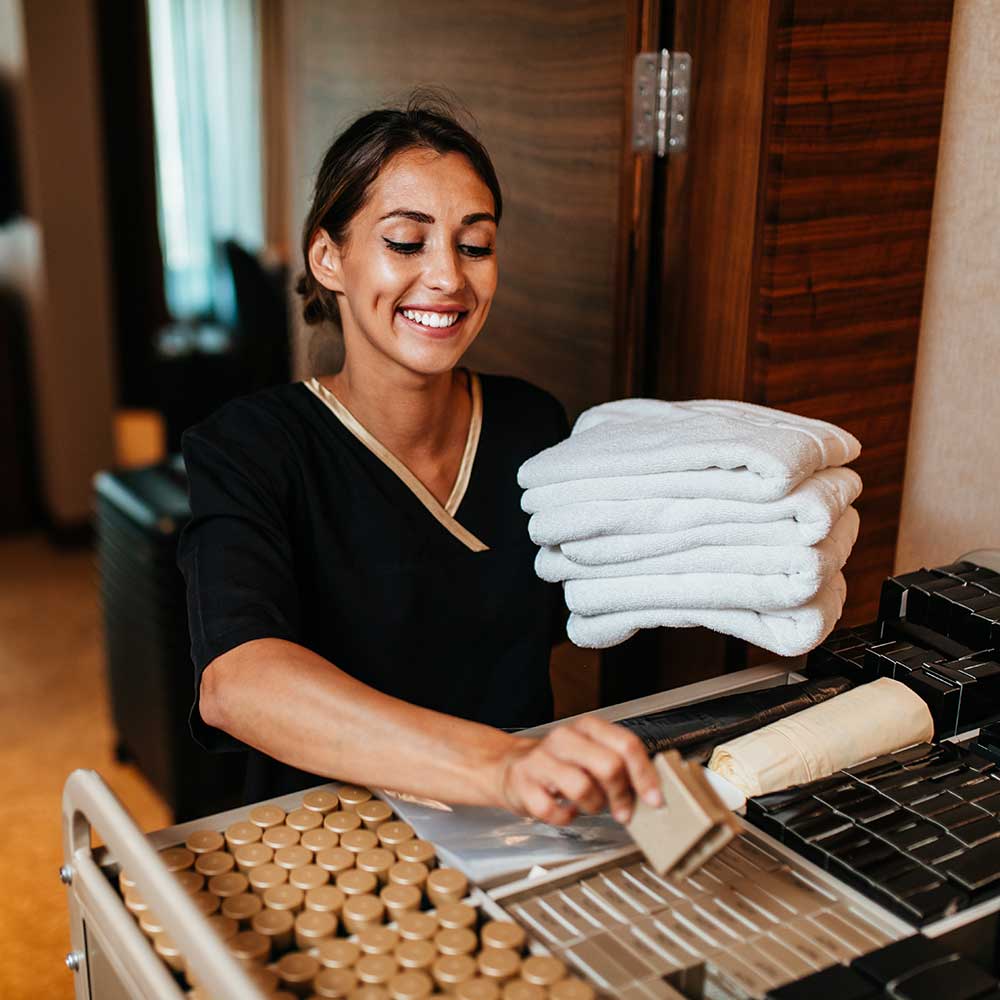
x=853 y=136
x=548 y=85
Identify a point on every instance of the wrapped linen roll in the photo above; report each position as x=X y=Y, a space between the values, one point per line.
x=872 y=719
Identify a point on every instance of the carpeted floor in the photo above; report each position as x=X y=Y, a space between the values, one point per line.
x=54 y=718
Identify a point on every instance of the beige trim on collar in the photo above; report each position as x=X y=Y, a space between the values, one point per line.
x=445 y=515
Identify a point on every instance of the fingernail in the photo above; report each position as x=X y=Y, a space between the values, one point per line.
x=622 y=815
x=653 y=797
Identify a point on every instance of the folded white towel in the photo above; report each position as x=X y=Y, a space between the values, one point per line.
x=817 y=562
x=813 y=507
x=635 y=437
x=787 y=633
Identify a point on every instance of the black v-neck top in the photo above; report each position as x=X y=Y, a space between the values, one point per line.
x=299 y=531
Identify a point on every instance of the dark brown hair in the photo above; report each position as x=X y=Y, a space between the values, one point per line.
x=354 y=161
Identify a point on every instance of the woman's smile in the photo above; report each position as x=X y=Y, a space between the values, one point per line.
x=437 y=322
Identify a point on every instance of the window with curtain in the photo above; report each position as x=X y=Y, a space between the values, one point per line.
x=206 y=68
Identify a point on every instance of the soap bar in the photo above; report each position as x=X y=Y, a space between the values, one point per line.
x=690 y=827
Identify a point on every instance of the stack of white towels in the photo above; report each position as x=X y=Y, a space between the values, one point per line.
x=708 y=512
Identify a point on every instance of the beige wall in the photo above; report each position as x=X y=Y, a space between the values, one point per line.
x=61 y=253
x=951 y=498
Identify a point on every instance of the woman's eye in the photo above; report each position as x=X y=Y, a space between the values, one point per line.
x=404 y=248
x=471 y=250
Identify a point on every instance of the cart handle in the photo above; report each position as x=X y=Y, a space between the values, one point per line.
x=88 y=804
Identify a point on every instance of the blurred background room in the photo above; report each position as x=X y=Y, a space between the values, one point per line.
x=820 y=236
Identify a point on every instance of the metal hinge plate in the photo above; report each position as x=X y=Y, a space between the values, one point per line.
x=661 y=93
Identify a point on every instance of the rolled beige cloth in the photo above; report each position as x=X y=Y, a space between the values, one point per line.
x=869 y=720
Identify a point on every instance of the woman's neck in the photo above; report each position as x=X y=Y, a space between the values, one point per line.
x=419 y=418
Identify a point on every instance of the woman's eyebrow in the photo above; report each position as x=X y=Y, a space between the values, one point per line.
x=409 y=213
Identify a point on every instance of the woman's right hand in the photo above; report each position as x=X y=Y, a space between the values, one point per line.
x=585 y=765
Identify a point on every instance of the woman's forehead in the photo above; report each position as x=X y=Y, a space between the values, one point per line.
x=442 y=185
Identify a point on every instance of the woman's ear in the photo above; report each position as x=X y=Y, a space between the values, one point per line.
x=326 y=261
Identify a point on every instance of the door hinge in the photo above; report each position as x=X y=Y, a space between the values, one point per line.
x=661 y=94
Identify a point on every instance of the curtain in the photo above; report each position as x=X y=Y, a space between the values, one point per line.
x=205 y=57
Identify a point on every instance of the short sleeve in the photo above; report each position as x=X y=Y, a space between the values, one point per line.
x=236 y=557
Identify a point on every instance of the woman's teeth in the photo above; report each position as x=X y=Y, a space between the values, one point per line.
x=431 y=319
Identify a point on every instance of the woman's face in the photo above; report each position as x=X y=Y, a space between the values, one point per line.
x=417 y=274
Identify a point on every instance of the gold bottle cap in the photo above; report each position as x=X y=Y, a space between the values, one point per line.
x=413 y=985
x=477 y=989
x=416 y=954
x=249 y=946
x=224 y=926
x=308 y=877
x=378 y=861
x=266 y=816
x=264 y=877
x=378 y=940
x=518 y=989
x=277 y=837
x=320 y=800
x=334 y=983
x=177 y=859
x=204 y=841
x=351 y=797
x=150 y=923
x=312 y=926
x=399 y=899
x=230 y=884
x=446 y=885
x=416 y=849
x=293 y=857
x=370 y=991
x=320 y=839
x=164 y=946
x=135 y=903
x=499 y=963
x=214 y=863
x=338 y=953
x=542 y=970
x=284 y=897
x=325 y=899
x=408 y=873
x=205 y=901
x=357 y=841
x=414 y=926
x=303 y=819
x=450 y=970
x=356 y=883
x=242 y=908
x=266 y=979
x=242 y=833
x=341 y=822
x=455 y=915
x=394 y=833
x=252 y=856
x=296 y=969
x=502 y=934
x=373 y=813
x=335 y=859
x=572 y=988
x=360 y=912
x=273 y=923
x=456 y=941
x=191 y=882
x=377 y=969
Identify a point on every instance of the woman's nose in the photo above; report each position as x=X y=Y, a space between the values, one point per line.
x=444 y=270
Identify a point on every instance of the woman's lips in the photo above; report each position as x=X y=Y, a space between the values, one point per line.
x=432 y=332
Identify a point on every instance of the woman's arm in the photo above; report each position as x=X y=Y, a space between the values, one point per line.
x=299 y=708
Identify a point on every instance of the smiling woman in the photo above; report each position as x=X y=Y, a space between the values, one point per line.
x=360 y=579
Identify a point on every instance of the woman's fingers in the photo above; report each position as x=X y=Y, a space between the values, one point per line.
x=642 y=774
x=605 y=766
